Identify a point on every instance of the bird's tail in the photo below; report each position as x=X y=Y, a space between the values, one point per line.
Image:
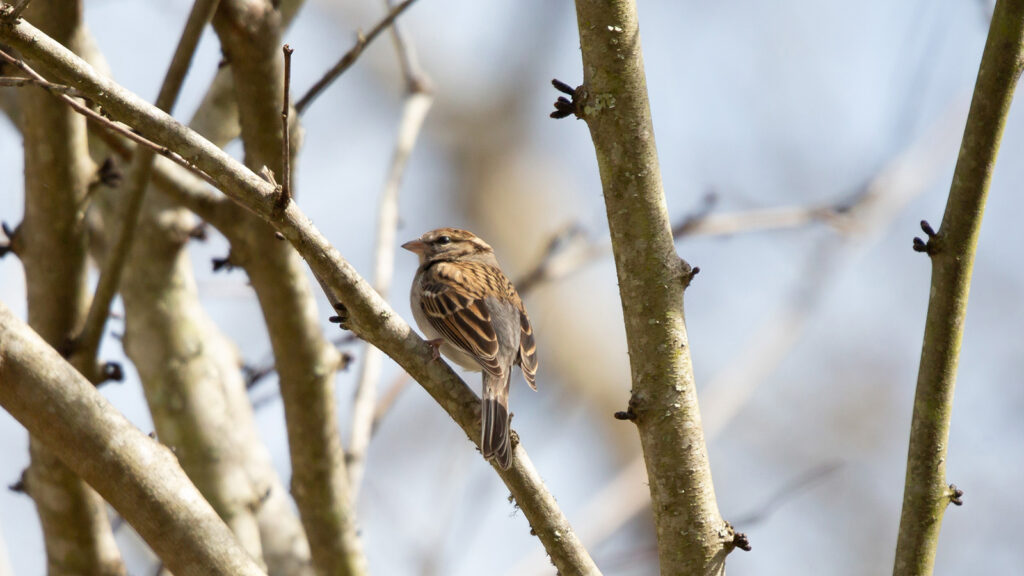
x=495 y=443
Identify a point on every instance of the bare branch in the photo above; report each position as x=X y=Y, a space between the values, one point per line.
x=365 y=312
x=952 y=250
x=139 y=477
x=350 y=57
x=692 y=536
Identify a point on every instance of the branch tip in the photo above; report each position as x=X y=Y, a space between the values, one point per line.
x=688 y=272
x=285 y=190
x=224 y=263
x=7 y=247
x=199 y=232
x=564 y=107
x=956 y=495
x=740 y=540
x=20 y=486
x=111 y=372
x=927 y=229
x=926 y=246
x=627 y=414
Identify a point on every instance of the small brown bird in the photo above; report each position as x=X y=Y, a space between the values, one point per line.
x=468 y=309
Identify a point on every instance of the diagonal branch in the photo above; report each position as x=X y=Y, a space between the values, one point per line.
x=140 y=478
x=366 y=312
x=952 y=250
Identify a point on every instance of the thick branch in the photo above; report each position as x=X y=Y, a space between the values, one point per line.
x=52 y=249
x=952 y=251
x=306 y=362
x=367 y=313
x=140 y=478
x=692 y=537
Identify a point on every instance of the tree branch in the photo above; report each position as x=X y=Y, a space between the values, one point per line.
x=140 y=478
x=51 y=244
x=692 y=537
x=306 y=362
x=952 y=250
x=367 y=314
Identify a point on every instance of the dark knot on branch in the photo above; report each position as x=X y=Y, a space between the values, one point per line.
x=926 y=246
x=565 y=107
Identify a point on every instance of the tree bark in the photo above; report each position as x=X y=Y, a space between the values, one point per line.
x=926 y=493
x=51 y=244
x=139 y=477
x=306 y=362
x=366 y=313
x=692 y=537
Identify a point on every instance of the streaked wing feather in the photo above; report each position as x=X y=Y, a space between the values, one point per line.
x=527 y=349
x=463 y=319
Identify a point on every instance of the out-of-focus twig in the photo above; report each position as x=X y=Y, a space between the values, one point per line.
x=350 y=57
x=414 y=111
x=787 y=492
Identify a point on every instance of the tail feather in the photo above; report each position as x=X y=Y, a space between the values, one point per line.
x=495 y=443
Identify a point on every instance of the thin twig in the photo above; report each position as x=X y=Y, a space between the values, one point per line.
x=417 y=104
x=286 y=152
x=88 y=341
x=20 y=82
x=388 y=400
x=350 y=57
x=785 y=493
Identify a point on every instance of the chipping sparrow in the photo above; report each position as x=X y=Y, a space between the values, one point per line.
x=468 y=308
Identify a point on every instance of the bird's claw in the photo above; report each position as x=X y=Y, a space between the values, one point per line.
x=435 y=348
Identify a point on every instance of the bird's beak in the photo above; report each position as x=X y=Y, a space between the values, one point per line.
x=418 y=246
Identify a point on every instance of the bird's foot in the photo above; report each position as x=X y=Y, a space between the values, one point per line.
x=435 y=347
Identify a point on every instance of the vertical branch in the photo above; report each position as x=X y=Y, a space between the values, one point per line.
x=414 y=111
x=692 y=537
x=286 y=146
x=52 y=249
x=250 y=31
x=952 y=250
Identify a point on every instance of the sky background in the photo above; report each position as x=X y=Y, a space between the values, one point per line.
x=805 y=341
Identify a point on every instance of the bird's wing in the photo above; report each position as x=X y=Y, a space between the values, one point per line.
x=527 y=348
x=453 y=302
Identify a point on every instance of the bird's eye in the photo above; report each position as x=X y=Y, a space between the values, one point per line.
x=444 y=240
